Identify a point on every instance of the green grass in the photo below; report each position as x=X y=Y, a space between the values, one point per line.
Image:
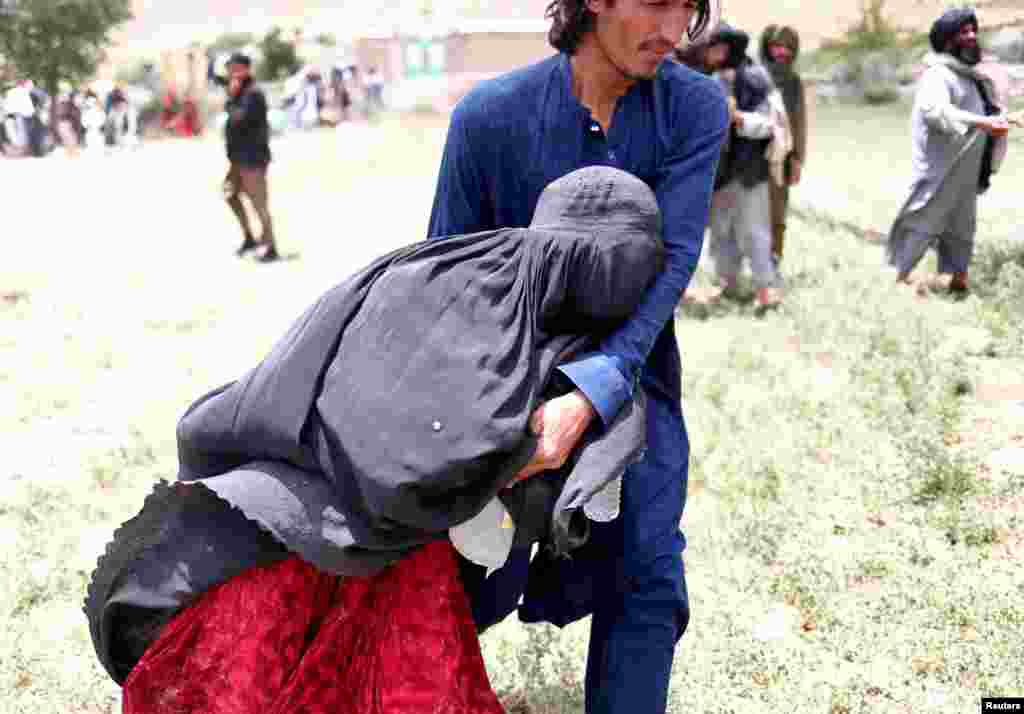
x=838 y=481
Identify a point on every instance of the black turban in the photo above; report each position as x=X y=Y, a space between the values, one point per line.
x=737 y=40
x=947 y=26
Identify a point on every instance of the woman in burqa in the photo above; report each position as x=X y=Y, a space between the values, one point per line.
x=305 y=560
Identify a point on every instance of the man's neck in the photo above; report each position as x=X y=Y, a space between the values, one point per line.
x=596 y=81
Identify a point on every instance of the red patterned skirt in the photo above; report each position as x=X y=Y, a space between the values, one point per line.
x=288 y=638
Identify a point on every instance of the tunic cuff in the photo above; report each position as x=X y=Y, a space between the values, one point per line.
x=601 y=380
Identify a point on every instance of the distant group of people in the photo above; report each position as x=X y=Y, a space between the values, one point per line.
x=959 y=132
x=73 y=119
x=763 y=154
x=313 y=100
x=180 y=115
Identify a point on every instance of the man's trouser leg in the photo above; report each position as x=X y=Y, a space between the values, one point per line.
x=914 y=246
x=233 y=195
x=725 y=250
x=780 y=206
x=753 y=227
x=254 y=185
x=956 y=245
x=642 y=607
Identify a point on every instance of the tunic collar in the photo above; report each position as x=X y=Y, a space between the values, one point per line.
x=570 y=99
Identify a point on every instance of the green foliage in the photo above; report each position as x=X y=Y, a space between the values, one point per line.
x=873 y=31
x=997 y=275
x=280 y=58
x=134 y=72
x=326 y=39
x=54 y=40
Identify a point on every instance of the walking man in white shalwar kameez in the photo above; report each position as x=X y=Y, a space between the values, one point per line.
x=959 y=140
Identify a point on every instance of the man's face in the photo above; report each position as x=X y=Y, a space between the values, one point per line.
x=780 y=53
x=715 y=56
x=965 y=44
x=637 y=35
x=239 y=72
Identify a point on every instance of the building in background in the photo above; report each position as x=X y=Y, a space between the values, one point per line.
x=426 y=52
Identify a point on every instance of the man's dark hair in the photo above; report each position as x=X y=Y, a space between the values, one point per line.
x=240 y=58
x=571 y=20
x=945 y=29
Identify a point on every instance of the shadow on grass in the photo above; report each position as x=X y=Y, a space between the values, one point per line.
x=284 y=258
x=703 y=305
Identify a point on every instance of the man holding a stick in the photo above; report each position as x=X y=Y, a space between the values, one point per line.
x=959 y=139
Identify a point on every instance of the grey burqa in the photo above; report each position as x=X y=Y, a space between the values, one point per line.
x=394 y=409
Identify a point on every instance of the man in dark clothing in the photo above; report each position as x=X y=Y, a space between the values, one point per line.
x=780 y=47
x=248 y=147
x=741 y=210
x=608 y=98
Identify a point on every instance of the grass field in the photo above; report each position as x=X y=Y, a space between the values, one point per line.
x=855 y=522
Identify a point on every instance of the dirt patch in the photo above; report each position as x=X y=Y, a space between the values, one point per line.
x=13 y=297
x=992 y=393
x=1011 y=548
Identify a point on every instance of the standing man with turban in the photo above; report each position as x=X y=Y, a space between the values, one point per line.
x=780 y=47
x=607 y=98
x=959 y=139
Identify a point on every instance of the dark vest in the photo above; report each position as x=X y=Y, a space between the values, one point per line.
x=745 y=158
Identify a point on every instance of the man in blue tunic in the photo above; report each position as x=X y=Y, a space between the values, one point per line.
x=607 y=98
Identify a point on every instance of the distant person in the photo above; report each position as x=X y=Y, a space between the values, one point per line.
x=122 y=120
x=38 y=131
x=374 y=90
x=780 y=47
x=958 y=140
x=187 y=123
x=94 y=122
x=114 y=97
x=340 y=92
x=306 y=107
x=741 y=206
x=248 y=148
x=68 y=122
x=20 y=111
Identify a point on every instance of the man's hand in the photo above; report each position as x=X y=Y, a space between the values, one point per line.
x=235 y=86
x=559 y=423
x=995 y=126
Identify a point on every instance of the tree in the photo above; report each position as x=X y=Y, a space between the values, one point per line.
x=54 y=40
x=279 y=56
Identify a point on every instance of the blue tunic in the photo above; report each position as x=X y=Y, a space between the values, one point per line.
x=508 y=139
